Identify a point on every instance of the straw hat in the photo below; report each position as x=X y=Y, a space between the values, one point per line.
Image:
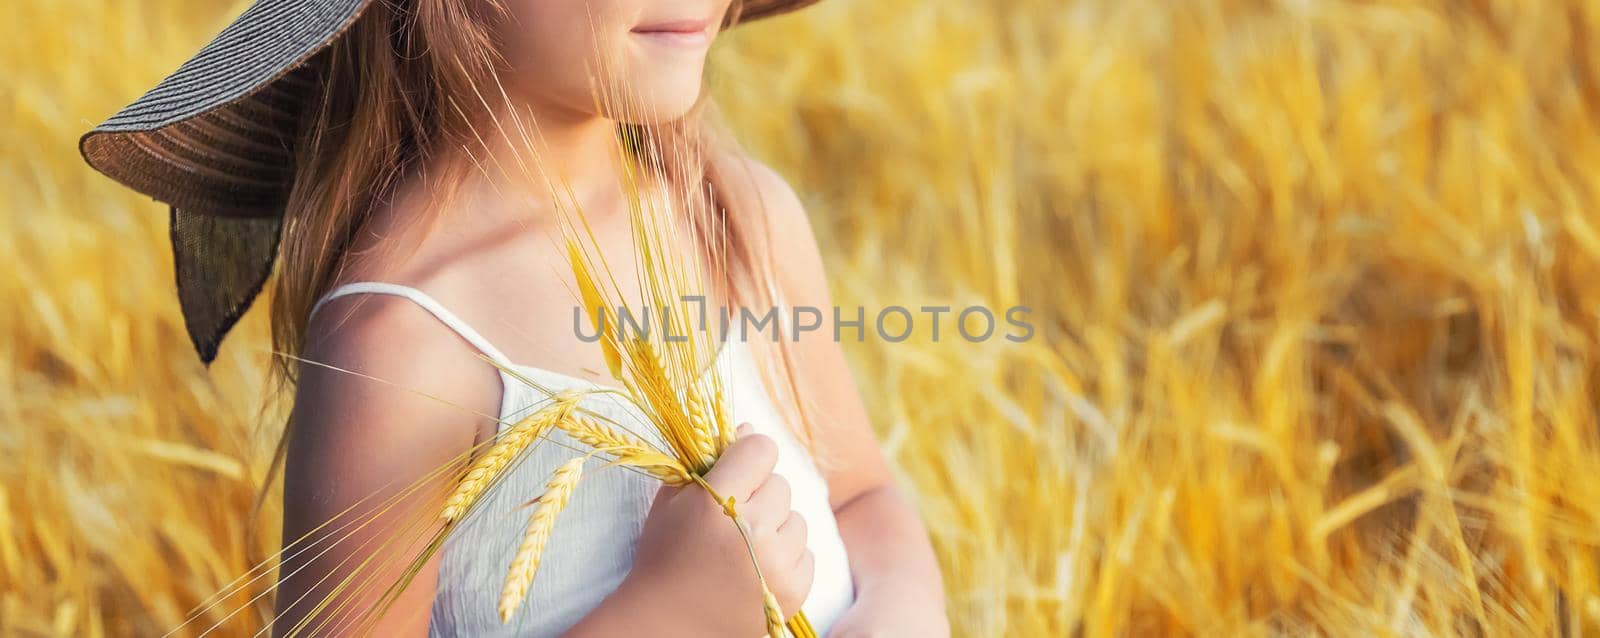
x=214 y=141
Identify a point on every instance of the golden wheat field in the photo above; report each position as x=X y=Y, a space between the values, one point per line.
x=1317 y=290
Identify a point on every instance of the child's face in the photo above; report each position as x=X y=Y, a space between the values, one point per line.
x=649 y=53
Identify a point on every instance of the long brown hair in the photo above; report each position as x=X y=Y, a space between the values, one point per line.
x=387 y=92
x=406 y=82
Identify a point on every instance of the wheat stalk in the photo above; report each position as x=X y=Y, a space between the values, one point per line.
x=693 y=426
x=557 y=492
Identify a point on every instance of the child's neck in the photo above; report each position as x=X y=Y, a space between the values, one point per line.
x=524 y=148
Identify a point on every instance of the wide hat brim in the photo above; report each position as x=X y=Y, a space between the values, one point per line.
x=214 y=141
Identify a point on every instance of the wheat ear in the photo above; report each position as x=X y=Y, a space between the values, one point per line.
x=652 y=382
x=769 y=604
x=515 y=439
x=664 y=468
x=706 y=439
x=626 y=449
x=720 y=414
x=598 y=435
x=595 y=304
x=526 y=563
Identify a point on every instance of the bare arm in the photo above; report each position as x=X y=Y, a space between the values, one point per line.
x=897 y=579
x=356 y=482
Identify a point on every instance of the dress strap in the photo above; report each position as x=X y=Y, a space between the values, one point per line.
x=428 y=303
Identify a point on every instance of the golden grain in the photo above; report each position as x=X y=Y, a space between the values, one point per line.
x=488 y=467
x=774 y=615
x=665 y=468
x=526 y=562
x=594 y=303
x=600 y=436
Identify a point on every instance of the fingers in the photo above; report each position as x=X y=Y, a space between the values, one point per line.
x=787 y=545
x=744 y=466
x=792 y=533
x=769 y=505
x=794 y=584
x=783 y=550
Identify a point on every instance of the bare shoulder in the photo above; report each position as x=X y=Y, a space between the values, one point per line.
x=383 y=361
x=755 y=188
x=783 y=231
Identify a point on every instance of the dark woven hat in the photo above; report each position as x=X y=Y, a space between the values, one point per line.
x=215 y=142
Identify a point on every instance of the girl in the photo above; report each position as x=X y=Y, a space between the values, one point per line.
x=363 y=146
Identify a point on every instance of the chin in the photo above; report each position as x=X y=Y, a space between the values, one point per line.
x=657 y=103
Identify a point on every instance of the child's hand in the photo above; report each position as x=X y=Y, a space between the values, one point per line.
x=691 y=568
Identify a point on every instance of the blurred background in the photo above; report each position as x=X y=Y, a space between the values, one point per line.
x=1317 y=290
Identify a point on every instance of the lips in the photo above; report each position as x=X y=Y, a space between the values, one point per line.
x=677 y=31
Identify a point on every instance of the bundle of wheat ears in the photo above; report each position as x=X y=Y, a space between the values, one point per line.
x=672 y=382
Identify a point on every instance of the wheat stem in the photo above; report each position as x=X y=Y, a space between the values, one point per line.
x=798 y=624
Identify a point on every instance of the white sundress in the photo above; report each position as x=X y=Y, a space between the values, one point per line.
x=591 y=547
